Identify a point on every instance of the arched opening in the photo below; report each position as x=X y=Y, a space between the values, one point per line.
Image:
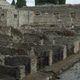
x=73 y=15
x=37 y=13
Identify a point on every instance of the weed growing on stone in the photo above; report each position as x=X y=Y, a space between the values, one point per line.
x=75 y=53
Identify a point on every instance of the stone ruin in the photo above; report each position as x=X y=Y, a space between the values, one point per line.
x=25 y=49
x=26 y=53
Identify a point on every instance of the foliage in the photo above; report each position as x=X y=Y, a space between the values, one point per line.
x=61 y=1
x=54 y=1
x=50 y=1
x=13 y=2
x=75 y=53
x=21 y=3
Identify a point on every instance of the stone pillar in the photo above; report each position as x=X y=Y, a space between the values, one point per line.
x=33 y=65
x=64 y=52
x=2 y=60
x=49 y=53
x=42 y=42
x=22 y=72
x=50 y=57
x=33 y=61
x=9 y=32
x=32 y=53
x=53 y=41
x=76 y=44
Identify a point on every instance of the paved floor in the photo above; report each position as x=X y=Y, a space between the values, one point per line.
x=72 y=74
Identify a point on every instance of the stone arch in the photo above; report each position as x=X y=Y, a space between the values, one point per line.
x=37 y=13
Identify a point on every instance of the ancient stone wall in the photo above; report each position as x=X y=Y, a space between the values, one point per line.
x=12 y=18
x=17 y=60
x=25 y=17
x=6 y=70
x=17 y=72
x=5 y=30
x=40 y=50
x=17 y=18
x=5 y=40
x=3 y=17
x=12 y=51
x=50 y=14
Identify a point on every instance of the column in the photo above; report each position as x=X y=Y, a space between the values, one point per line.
x=64 y=52
x=33 y=64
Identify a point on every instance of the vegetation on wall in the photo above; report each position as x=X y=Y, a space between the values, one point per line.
x=50 y=1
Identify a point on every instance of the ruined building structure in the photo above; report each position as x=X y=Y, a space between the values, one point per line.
x=27 y=48
x=51 y=13
x=9 y=16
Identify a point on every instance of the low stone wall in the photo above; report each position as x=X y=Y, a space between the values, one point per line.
x=39 y=50
x=16 y=72
x=7 y=70
x=12 y=51
x=16 y=60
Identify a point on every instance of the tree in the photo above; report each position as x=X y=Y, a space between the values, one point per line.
x=36 y=2
x=21 y=3
x=40 y=1
x=46 y=1
x=13 y=2
x=24 y=2
x=62 y=1
x=54 y=1
x=49 y=1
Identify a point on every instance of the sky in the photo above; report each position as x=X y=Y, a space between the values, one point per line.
x=32 y=2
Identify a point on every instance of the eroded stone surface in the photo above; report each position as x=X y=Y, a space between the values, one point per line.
x=72 y=74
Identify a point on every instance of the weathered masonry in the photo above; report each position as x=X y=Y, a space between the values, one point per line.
x=51 y=13
x=10 y=16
